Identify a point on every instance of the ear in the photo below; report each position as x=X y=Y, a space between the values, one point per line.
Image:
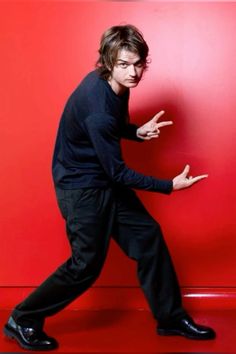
x=109 y=67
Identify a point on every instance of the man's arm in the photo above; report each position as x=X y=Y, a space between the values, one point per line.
x=104 y=134
x=130 y=132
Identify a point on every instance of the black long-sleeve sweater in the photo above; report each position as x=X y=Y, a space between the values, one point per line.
x=87 y=150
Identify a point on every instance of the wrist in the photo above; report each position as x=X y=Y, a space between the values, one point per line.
x=174 y=185
x=138 y=134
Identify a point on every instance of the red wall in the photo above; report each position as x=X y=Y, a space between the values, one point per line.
x=46 y=49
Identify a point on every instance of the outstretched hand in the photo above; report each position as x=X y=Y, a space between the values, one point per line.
x=151 y=129
x=183 y=181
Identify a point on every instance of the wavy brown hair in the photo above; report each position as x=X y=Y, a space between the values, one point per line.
x=113 y=40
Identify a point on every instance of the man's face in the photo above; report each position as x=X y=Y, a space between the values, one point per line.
x=127 y=71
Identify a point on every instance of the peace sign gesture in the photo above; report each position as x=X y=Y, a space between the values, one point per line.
x=151 y=129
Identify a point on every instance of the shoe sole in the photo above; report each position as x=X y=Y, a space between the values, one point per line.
x=11 y=334
x=164 y=332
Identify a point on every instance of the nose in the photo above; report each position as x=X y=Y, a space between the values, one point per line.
x=132 y=70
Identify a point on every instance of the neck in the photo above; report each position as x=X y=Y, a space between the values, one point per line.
x=118 y=89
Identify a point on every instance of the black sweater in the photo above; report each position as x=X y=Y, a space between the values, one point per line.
x=87 y=150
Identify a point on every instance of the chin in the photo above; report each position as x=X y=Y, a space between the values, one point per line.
x=132 y=84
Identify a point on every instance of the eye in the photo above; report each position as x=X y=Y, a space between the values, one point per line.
x=123 y=65
x=139 y=64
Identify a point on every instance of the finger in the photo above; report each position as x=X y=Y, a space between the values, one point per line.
x=158 y=116
x=146 y=138
x=197 y=179
x=186 y=171
x=165 y=123
x=153 y=133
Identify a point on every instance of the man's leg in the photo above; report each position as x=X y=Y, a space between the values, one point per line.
x=89 y=215
x=140 y=236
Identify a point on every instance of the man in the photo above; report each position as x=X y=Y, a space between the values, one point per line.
x=95 y=194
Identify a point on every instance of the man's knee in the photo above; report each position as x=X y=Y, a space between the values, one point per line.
x=78 y=269
x=149 y=241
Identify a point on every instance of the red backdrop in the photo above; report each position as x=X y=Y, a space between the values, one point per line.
x=46 y=49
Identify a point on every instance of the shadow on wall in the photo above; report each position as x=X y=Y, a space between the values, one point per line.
x=157 y=156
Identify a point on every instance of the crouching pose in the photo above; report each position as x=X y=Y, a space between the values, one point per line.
x=95 y=193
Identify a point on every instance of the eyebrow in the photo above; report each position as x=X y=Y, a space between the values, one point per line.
x=126 y=62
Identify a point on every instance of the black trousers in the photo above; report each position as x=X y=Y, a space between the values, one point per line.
x=92 y=216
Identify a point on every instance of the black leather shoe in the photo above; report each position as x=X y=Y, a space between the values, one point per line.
x=186 y=327
x=29 y=338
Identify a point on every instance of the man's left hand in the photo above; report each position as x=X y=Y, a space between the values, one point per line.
x=151 y=129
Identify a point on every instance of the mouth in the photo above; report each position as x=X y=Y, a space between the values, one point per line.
x=133 y=81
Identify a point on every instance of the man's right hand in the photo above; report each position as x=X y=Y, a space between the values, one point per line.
x=183 y=181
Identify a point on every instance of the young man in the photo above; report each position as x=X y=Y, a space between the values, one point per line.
x=94 y=189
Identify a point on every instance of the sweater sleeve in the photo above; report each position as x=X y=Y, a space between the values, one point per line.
x=104 y=134
x=130 y=133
